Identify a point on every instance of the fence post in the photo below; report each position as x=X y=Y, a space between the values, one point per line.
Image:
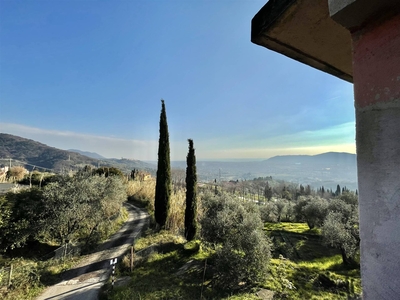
x=10 y=276
x=132 y=252
x=113 y=262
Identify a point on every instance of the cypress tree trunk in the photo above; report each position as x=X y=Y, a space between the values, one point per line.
x=163 y=182
x=191 y=193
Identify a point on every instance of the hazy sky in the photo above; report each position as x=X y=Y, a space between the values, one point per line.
x=89 y=75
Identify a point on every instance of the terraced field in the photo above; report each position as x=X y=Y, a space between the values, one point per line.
x=305 y=268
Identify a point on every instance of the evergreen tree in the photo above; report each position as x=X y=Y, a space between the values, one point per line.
x=163 y=182
x=337 y=190
x=268 y=192
x=308 y=190
x=301 y=192
x=191 y=194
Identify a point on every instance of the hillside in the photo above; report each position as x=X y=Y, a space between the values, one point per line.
x=328 y=159
x=33 y=153
x=87 y=153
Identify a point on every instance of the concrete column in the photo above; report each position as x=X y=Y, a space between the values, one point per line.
x=376 y=75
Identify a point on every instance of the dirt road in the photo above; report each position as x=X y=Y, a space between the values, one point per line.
x=84 y=281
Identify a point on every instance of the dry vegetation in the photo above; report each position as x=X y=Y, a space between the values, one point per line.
x=142 y=193
x=16 y=173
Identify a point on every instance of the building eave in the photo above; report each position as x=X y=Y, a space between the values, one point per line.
x=303 y=30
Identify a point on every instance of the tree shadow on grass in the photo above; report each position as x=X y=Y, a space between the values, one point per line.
x=33 y=250
x=168 y=273
x=302 y=247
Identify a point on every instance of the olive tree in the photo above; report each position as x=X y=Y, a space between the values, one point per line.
x=312 y=210
x=77 y=205
x=21 y=217
x=236 y=231
x=268 y=212
x=341 y=226
x=342 y=234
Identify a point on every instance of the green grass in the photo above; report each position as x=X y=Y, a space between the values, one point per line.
x=30 y=277
x=174 y=270
x=299 y=281
x=292 y=227
x=299 y=273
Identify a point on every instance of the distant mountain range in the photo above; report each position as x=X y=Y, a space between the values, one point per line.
x=329 y=158
x=32 y=153
x=87 y=153
x=326 y=169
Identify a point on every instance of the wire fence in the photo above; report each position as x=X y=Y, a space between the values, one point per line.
x=19 y=271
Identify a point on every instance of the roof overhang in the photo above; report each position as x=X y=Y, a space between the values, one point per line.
x=303 y=30
x=318 y=33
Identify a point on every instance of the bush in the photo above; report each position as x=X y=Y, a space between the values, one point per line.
x=16 y=173
x=235 y=230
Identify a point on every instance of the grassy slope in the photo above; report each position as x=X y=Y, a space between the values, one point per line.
x=305 y=263
x=174 y=270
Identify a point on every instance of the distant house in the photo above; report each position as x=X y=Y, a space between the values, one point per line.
x=4 y=169
x=3 y=173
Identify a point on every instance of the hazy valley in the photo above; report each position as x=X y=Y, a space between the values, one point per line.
x=327 y=169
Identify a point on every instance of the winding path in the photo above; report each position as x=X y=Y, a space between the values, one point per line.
x=84 y=281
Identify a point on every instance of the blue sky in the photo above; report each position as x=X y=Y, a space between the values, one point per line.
x=89 y=75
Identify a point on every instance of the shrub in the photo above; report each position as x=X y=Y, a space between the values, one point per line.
x=16 y=173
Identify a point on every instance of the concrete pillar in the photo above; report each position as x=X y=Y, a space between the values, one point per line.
x=376 y=75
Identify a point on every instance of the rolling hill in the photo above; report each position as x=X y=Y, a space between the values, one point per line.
x=32 y=153
x=87 y=153
x=328 y=159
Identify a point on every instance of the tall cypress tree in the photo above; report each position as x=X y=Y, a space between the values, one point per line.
x=163 y=182
x=191 y=193
x=337 y=190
